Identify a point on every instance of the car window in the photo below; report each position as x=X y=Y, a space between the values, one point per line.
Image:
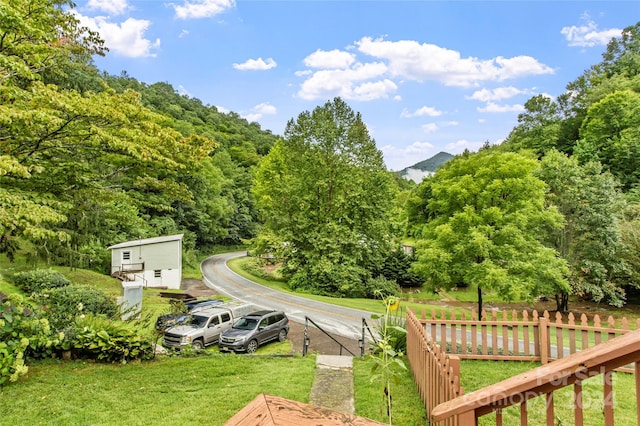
x=245 y=324
x=214 y=321
x=199 y=321
x=225 y=317
x=276 y=318
x=264 y=322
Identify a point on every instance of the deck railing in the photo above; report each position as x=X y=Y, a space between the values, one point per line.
x=544 y=380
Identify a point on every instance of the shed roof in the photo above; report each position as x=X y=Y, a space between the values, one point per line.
x=147 y=241
x=270 y=410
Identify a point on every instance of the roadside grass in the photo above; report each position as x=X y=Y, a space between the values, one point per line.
x=478 y=374
x=168 y=391
x=369 y=305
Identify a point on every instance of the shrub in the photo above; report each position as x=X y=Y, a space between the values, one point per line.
x=63 y=305
x=108 y=340
x=329 y=278
x=382 y=285
x=256 y=267
x=39 y=280
x=22 y=334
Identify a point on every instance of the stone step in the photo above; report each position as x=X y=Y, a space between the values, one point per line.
x=333 y=383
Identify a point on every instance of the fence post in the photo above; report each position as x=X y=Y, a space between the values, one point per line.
x=544 y=340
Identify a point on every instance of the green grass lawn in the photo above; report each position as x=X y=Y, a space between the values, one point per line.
x=211 y=388
x=171 y=391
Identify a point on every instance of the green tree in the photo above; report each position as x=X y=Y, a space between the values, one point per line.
x=629 y=222
x=325 y=197
x=610 y=134
x=538 y=127
x=73 y=159
x=590 y=240
x=484 y=218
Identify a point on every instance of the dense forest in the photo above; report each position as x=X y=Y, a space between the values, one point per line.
x=90 y=159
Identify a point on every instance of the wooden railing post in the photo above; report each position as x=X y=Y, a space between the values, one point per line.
x=544 y=340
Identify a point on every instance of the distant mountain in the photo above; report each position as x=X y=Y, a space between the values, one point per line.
x=425 y=167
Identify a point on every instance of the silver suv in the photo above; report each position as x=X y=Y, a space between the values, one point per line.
x=253 y=330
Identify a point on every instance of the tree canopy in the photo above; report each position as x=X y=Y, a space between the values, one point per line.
x=485 y=214
x=325 y=197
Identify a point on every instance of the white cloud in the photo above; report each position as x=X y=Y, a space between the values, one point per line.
x=265 y=108
x=499 y=93
x=493 y=107
x=416 y=175
x=414 y=61
x=421 y=112
x=259 y=111
x=450 y=123
x=341 y=73
x=183 y=33
x=350 y=84
x=429 y=127
x=112 y=7
x=334 y=59
x=588 y=34
x=125 y=39
x=256 y=65
x=397 y=158
x=459 y=146
x=202 y=8
x=222 y=109
x=183 y=91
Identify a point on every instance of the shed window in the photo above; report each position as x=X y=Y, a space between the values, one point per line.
x=157 y=273
x=126 y=255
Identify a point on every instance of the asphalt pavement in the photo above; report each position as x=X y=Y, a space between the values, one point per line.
x=343 y=321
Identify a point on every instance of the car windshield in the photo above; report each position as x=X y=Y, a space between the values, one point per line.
x=245 y=324
x=199 y=321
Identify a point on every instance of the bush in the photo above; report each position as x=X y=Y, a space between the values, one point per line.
x=327 y=278
x=63 y=305
x=382 y=285
x=22 y=334
x=39 y=280
x=107 y=340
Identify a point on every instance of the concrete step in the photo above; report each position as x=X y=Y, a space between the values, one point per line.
x=333 y=383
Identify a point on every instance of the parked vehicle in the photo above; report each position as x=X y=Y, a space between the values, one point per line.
x=254 y=330
x=172 y=319
x=205 y=325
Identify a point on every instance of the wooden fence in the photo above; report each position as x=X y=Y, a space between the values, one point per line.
x=578 y=349
x=523 y=337
x=437 y=375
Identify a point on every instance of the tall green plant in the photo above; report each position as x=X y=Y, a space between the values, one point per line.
x=387 y=359
x=22 y=333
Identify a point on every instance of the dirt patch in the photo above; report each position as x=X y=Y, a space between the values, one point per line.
x=319 y=343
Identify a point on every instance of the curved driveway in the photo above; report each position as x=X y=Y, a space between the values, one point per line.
x=334 y=319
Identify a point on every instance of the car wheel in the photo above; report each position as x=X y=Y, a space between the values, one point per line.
x=282 y=336
x=197 y=345
x=252 y=346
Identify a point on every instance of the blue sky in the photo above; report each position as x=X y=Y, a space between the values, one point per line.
x=426 y=76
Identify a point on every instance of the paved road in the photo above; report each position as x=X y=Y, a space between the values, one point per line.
x=333 y=319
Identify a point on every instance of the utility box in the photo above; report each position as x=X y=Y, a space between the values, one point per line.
x=131 y=300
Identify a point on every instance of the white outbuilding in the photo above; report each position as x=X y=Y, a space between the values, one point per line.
x=154 y=262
